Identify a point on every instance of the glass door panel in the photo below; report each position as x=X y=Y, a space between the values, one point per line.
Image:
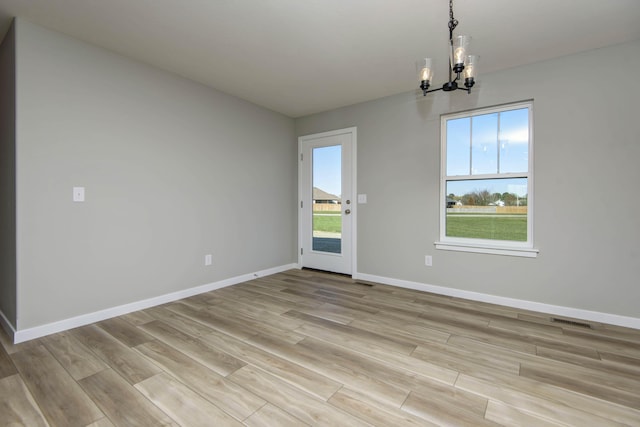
x=326 y=199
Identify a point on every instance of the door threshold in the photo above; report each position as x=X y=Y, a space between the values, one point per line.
x=317 y=270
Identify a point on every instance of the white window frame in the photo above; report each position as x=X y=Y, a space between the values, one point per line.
x=487 y=246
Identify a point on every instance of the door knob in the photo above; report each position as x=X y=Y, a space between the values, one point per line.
x=348 y=211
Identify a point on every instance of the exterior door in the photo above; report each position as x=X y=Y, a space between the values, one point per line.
x=327 y=209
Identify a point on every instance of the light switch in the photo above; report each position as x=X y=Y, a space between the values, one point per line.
x=78 y=194
x=362 y=198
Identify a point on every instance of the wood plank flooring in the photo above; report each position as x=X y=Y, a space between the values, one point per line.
x=311 y=348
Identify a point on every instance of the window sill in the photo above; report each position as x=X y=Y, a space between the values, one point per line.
x=485 y=249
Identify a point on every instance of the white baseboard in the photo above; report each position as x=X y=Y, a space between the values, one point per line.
x=576 y=313
x=7 y=326
x=18 y=336
x=86 y=319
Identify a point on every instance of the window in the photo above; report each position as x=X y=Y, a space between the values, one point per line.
x=486 y=181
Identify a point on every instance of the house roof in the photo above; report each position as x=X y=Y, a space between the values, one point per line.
x=319 y=194
x=301 y=57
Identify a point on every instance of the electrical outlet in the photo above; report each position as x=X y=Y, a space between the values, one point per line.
x=208 y=259
x=428 y=260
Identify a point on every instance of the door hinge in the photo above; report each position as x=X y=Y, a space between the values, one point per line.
x=301 y=204
x=301 y=157
x=301 y=251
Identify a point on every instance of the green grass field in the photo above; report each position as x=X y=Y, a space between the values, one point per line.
x=330 y=222
x=493 y=227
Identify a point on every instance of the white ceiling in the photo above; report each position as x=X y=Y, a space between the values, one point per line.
x=304 y=56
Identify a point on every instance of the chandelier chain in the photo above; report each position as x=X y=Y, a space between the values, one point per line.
x=453 y=22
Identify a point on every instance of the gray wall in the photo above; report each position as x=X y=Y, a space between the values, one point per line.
x=173 y=170
x=586 y=183
x=7 y=178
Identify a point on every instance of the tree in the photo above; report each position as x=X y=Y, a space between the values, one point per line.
x=469 y=199
x=477 y=198
x=484 y=197
x=509 y=199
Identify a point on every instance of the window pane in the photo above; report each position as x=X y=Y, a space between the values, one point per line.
x=484 y=154
x=458 y=146
x=494 y=209
x=514 y=141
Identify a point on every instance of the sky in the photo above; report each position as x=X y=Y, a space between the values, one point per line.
x=488 y=144
x=326 y=169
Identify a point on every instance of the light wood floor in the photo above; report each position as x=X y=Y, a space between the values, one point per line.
x=309 y=348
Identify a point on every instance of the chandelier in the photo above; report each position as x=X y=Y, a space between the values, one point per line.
x=460 y=63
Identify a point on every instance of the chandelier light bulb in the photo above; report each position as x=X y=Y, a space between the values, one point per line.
x=470 y=66
x=426 y=74
x=425 y=69
x=460 y=46
x=468 y=71
x=458 y=56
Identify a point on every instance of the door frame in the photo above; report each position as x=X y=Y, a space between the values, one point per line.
x=301 y=192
